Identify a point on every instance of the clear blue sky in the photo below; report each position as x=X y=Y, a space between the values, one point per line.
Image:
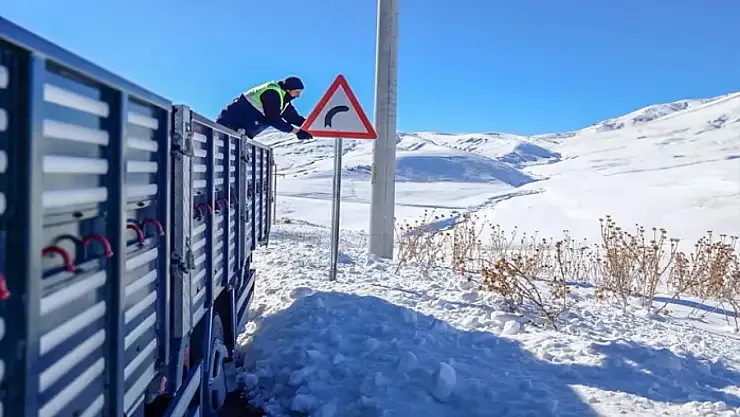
x=525 y=66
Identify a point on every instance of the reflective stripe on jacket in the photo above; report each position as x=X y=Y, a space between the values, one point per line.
x=253 y=96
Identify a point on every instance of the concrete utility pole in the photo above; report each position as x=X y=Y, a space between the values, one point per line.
x=382 y=205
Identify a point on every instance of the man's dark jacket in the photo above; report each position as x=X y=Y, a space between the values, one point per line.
x=240 y=114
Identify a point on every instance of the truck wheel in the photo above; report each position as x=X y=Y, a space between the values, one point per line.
x=216 y=389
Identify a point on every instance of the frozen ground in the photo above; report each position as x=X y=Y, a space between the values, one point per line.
x=375 y=343
x=657 y=166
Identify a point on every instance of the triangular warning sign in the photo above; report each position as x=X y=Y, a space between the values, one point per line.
x=339 y=114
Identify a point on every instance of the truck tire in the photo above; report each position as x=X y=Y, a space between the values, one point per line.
x=216 y=388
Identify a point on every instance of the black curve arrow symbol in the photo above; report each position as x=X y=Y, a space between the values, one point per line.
x=333 y=112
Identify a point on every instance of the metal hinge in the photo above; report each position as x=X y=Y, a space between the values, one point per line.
x=182 y=146
x=190 y=258
x=187 y=263
x=182 y=143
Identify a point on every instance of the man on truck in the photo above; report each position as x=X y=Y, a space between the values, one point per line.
x=266 y=105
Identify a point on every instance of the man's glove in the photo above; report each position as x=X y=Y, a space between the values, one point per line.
x=303 y=135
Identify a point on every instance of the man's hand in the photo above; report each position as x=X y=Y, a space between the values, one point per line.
x=303 y=135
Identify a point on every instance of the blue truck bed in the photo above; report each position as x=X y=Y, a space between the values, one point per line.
x=127 y=228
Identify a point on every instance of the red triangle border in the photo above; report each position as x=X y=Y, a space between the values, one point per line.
x=340 y=81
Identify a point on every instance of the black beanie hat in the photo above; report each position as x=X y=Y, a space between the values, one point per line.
x=293 y=83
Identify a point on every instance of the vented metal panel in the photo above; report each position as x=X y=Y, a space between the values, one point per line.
x=7 y=345
x=104 y=185
x=250 y=215
x=214 y=182
x=203 y=162
x=146 y=191
x=93 y=304
x=77 y=158
x=259 y=195
x=269 y=184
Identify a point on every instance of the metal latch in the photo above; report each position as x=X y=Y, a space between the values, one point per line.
x=187 y=263
x=182 y=146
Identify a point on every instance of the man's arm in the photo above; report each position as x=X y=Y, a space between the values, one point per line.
x=291 y=116
x=271 y=106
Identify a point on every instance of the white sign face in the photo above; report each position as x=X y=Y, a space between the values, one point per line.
x=339 y=115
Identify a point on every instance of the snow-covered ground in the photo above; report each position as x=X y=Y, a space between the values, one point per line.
x=376 y=343
x=657 y=166
x=380 y=343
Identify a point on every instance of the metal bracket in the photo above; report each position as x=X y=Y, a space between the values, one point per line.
x=183 y=145
x=184 y=264
x=190 y=257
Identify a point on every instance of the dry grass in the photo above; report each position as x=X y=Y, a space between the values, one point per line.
x=621 y=265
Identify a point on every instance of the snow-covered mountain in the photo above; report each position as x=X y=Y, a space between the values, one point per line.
x=646 y=114
x=659 y=165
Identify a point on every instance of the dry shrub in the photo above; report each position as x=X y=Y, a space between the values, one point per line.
x=516 y=280
x=710 y=271
x=632 y=264
x=466 y=243
x=561 y=265
x=422 y=241
x=530 y=270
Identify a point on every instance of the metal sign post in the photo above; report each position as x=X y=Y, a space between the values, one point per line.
x=336 y=203
x=274 y=192
x=338 y=115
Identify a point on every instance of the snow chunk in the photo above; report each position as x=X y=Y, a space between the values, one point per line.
x=328 y=410
x=409 y=316
x=303 y=403
x=511 y=328
x=406 y=362
x=301 y=292
x=371 y=344
x=343 y=258
x=470 y=296
x=445 y=382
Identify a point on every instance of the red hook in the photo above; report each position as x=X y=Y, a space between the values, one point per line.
x=61 y=252
x=139 y=233
x=200 y=212
x=4 y=292
x=106 y=245
x=156 y=222
x=218 y=203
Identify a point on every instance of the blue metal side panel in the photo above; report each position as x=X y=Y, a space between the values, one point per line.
x=259 y=188
x=145 y=289
x=20 y=210
x=225 y=160
x=82 y=297
x=186 y=394
x=264 y=191
x=203 y=190
x=183 y=261
x=218 y=146
x=260 y=201
x=8 y=278
x=251 y=190
x=230 y=199
x=268 y=191
x=239 y=196
x=243 y=287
